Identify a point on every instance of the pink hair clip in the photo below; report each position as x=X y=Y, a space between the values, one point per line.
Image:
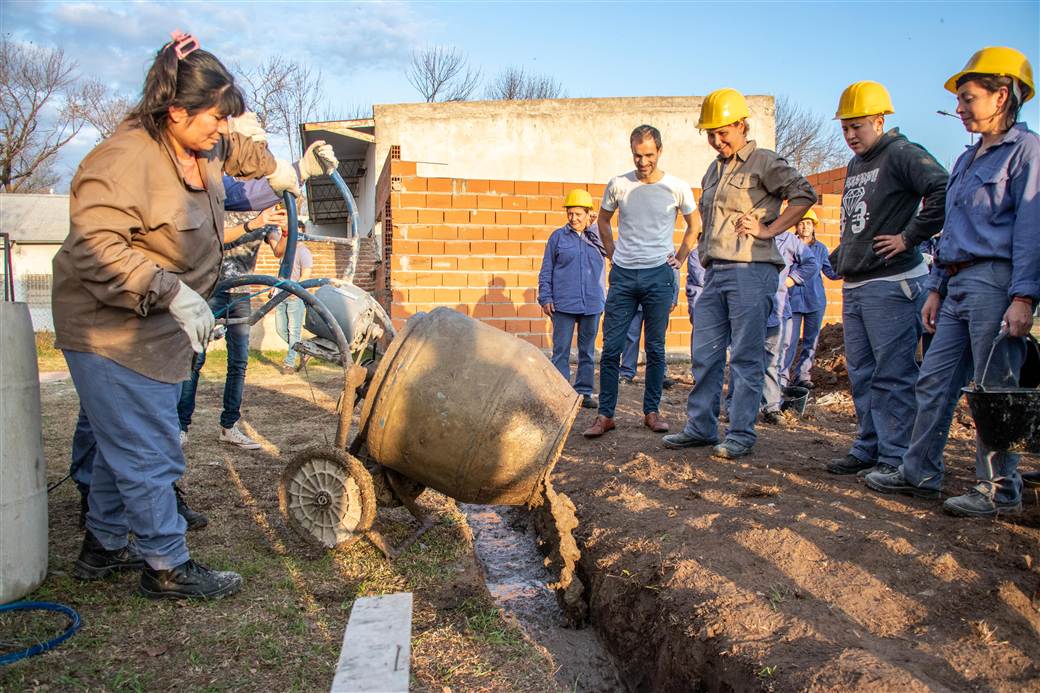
x=183 y=44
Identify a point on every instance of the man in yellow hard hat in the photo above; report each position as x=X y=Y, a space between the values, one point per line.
x=642 y=270
x=570 y=291
x=893 y=200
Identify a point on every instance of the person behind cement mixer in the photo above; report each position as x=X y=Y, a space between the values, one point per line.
x=142 y=251
x=985 y=281
x=570 y=292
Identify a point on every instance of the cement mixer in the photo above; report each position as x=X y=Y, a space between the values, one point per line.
x=449 y=403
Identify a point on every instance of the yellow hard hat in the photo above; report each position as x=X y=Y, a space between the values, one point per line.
x=864 y=98
x=998 y=60
x=722 y=107
x=811 y=214
x=578 y=198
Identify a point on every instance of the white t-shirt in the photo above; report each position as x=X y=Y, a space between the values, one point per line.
x=647 y=218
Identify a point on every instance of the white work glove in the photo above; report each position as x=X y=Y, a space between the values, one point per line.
x=248 y=125
x=194 y=316
x=319 y=159
x=284 y=178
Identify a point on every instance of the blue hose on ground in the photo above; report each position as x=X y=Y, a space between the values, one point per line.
x=49 y=644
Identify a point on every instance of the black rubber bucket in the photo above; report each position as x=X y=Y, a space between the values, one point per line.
x=795 y=398
x=1006 y=418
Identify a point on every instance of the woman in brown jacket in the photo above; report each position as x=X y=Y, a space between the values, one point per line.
x=144 y=247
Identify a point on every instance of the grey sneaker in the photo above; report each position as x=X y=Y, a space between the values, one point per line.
x=850 y=464
x=730 y=450
x=883 y=467
x=893 y=482
x=235 y=436
x=978 y=503
x=184 y=438
x=589 y=402
x=679 y=440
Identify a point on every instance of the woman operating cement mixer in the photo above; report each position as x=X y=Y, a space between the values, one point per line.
x=146 y=224
x=985 y=282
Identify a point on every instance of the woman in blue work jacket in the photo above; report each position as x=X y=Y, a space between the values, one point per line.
x=985 y=281
x=808 y=302
x=570 y=291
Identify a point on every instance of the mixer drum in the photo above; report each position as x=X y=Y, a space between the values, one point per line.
x=467 y=409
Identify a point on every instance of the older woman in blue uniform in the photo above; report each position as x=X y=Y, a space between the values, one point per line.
x=808 y=301
x=985 y=281
x=570 y=291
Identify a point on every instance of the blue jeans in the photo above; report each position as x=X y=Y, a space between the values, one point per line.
x=731 y=312
x=223 y=305
x=288 y=322
x=630 y=356
x=882 y=321
x=968 y=321
x=652 y=289
x=137 y=459
x=803 y=331
x=84 y=447
x=563 y=333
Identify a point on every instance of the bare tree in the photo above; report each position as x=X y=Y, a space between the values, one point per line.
x=102 y=108
x=808 y=141
x=441 y=73
x=284 y=94
x=39 y=113
x=515 y=84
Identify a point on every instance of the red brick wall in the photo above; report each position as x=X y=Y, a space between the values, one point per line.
x=828 y=182
x=476 y=246
x=330 y=260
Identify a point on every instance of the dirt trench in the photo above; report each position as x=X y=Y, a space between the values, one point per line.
x=768 y=573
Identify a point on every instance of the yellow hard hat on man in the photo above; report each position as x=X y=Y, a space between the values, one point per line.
x=998 y=60
x=811 y=215
x=578 y=198
x=722 y=107
x=864 y=98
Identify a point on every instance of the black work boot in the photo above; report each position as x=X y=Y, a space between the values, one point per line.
x=850 y=464
x=194 y=519
x=189 y=580
x=95 y=561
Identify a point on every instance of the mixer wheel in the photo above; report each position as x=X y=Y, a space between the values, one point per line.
x=326 y=495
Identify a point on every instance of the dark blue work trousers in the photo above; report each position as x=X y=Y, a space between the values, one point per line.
x=224 y=305
x=562 y=336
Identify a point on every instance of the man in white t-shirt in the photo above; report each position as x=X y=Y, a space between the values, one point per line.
x=642 y=270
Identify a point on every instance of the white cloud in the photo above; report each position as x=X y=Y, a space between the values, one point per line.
x=115 y=42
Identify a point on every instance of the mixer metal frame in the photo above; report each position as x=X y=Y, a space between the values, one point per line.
x=315 y=506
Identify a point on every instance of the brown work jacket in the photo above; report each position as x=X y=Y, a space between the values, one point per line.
x=136 y=228
x=753 y=180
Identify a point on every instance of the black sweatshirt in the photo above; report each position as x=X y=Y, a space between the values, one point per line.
x=883 y=189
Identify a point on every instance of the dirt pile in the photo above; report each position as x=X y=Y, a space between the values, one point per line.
x=829 y=369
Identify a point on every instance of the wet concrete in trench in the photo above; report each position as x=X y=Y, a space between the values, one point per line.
x=506 y=545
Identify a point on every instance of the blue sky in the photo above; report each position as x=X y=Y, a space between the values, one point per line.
x=809 y=51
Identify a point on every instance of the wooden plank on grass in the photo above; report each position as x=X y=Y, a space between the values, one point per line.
x=376 y=646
